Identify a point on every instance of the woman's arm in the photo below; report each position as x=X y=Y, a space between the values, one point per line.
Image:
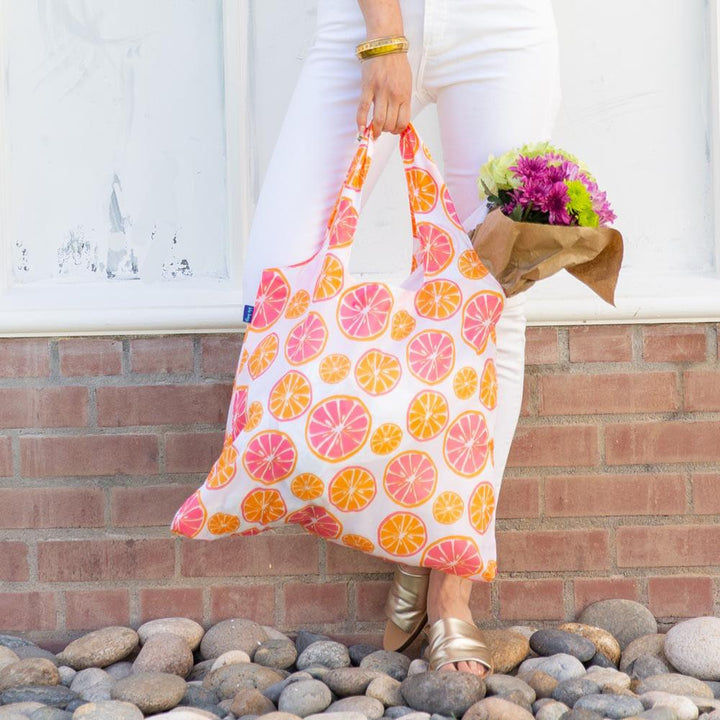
x=387 y=79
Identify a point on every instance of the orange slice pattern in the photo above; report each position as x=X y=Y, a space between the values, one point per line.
x=334 y=368
x=377 y=372
x=298 y=305
x=290 y=397
x=359 y=542
x=403 y=323
x=423 y=190
x=224 y=469
x=386 y=439
x=482 y=507
x=465 y=383
x=352 y=489
x=448 y=507
x=263 y=505
x=427 y=415
x=489 y=386
x=438 y=299
x=263 y=356
x=402 y=534
x=307 y=486
x=221 y=523
x=330 y=281
x=254 y=416
x=470 y=265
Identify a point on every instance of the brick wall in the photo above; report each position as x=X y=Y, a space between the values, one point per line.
x=613 y=488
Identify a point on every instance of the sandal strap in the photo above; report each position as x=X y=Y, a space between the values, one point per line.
x=407 y=600
x=452 y=640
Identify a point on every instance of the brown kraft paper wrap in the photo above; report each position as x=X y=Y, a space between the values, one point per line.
x=518 y=254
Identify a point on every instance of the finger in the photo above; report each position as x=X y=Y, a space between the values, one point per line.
x=403 y=117
x=391 y=120
x=380 y=108
x=363 y=112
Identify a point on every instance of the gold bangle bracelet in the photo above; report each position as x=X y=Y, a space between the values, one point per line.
x=382 y=46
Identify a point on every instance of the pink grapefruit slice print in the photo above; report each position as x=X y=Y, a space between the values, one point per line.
x=455 y=555
x=306 y=340
x=272 y=296
x=344 y=224
x=479 y=317
x=190 y=518
x=317 y=520
x=239 y=410
x=410 y=478
x=436 y=248
x=270 y=456
x=467 y=443
x=409 y=144
x=431 y=355
x=449 y=207
x=364 y=311
x=337 y=428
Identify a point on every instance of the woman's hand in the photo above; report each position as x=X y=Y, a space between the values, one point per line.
x=387 y=87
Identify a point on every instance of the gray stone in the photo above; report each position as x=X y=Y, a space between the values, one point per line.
x=24 y=709
x=305 y=697
x=280 y=716
x=398 y=711
x=417 y=666
x=119 y=670
x=230 y=679
x=48 y=713
x=506 y=685
x=570 y=691
x=497 y=708
x=601 y=660
x=683 y=707
x=190 y=631
x=7 y=656
x=99 y=648
x=152 y=692
x=647 y=665
x=508 y=647
x=203 y=668
x=561 y=666
x=625 y=620
x=714 y=686
x=233 y=634
x=198 y=696
x=251 y=702
x=446 y=693
x=386 y=690
x=108 y=710
x=166 y=653
x=693 y=647
x=582 y=714
x=359 y=651
x=391 y=663
x=318 y=672
x=66 y=675
x=652 y=644
x=552 y=710
x=542 y=683
x=549 y=641
x=12 y=715
x=24 y=652
x=273 y=691
x=675 y=684
x=349 y=680
x=33 y=671
x=92 y=685
x=614 y=707
x=53 y=695
x=347 y=715
x=659 y=713
x=13 y=641
x=305 y=638
x=276 y=654
x=371 y=708
x=179 y=713
x=328 y=653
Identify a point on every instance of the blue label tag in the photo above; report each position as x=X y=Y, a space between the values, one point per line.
x=248 y=313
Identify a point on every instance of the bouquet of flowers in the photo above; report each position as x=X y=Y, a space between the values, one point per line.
x=546 y=213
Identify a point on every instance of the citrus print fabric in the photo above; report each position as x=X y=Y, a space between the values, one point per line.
x=362 y=411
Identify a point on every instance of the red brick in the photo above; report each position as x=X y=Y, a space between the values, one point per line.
x=481 y=601
x=541 y=346
x=605 y=495
x=519 y=498
x=255 y=602
x=674 y=343
x=192 y=452
x=162 y=404
x=702 y=390
x=89 y=455
x=43 y=407
x=590 y=590
x=90 y=356
x=315 y=603
x=94 y=609
x=6 y=463
x=255 y=555
x=28 y=611
x=343 y=560
x=220 y=353
x=680 y=596
x=533 y=550
x=531 y=599
x=529 y=398
x=600 y=343
x=171 y=354
x=147 y=504
x=668 y=546
x=56 y=507
x=706 y=494
x=662 y=442
x=13 y=562
x=565 y=394
x=94 y=559
x=24 y=357
x=370 y=598
x=554 y=445
x=171 y=602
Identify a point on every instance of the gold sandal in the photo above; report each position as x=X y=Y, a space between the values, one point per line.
x=406 y=607
x=452 y=640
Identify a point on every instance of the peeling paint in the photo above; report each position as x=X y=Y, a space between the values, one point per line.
x=22 y=263
x=77 y=252
x=122 y=262
x=173 y=268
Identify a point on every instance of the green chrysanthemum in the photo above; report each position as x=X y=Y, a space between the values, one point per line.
x=581 y=204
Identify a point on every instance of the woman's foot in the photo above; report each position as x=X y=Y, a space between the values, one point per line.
x=448 y=597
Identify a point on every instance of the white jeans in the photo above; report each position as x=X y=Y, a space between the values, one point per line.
x=491 y=66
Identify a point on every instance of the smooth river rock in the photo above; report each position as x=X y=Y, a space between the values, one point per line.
x=391 y=663
x=108 y=710
x=683 y=707
x=152 y=692
x=276 y=654
x=371 y=708
x=676 y=684
x=100 y=648
x=549 y=641
x=233 y=634
x=614 y=707
x=230 y=679
x=189 y=630
x=305 y=698
x=604 y=641
x=693 y=647
x=350 y=680
x=33 y=671
x=625 y=620
x=446 y=693
x=508 y=648
x=328 y=653
x=561 y=666
x=165 y=652
x=497 y=708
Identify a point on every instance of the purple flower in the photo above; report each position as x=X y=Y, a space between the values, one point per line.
x=555 y=204
x=529 y=167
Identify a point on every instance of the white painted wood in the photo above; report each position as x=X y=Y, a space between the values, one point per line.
x=714 y=60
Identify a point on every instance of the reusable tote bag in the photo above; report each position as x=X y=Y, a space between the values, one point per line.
x=363 y=411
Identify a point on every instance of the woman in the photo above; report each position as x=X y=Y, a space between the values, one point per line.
x=491 y=67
